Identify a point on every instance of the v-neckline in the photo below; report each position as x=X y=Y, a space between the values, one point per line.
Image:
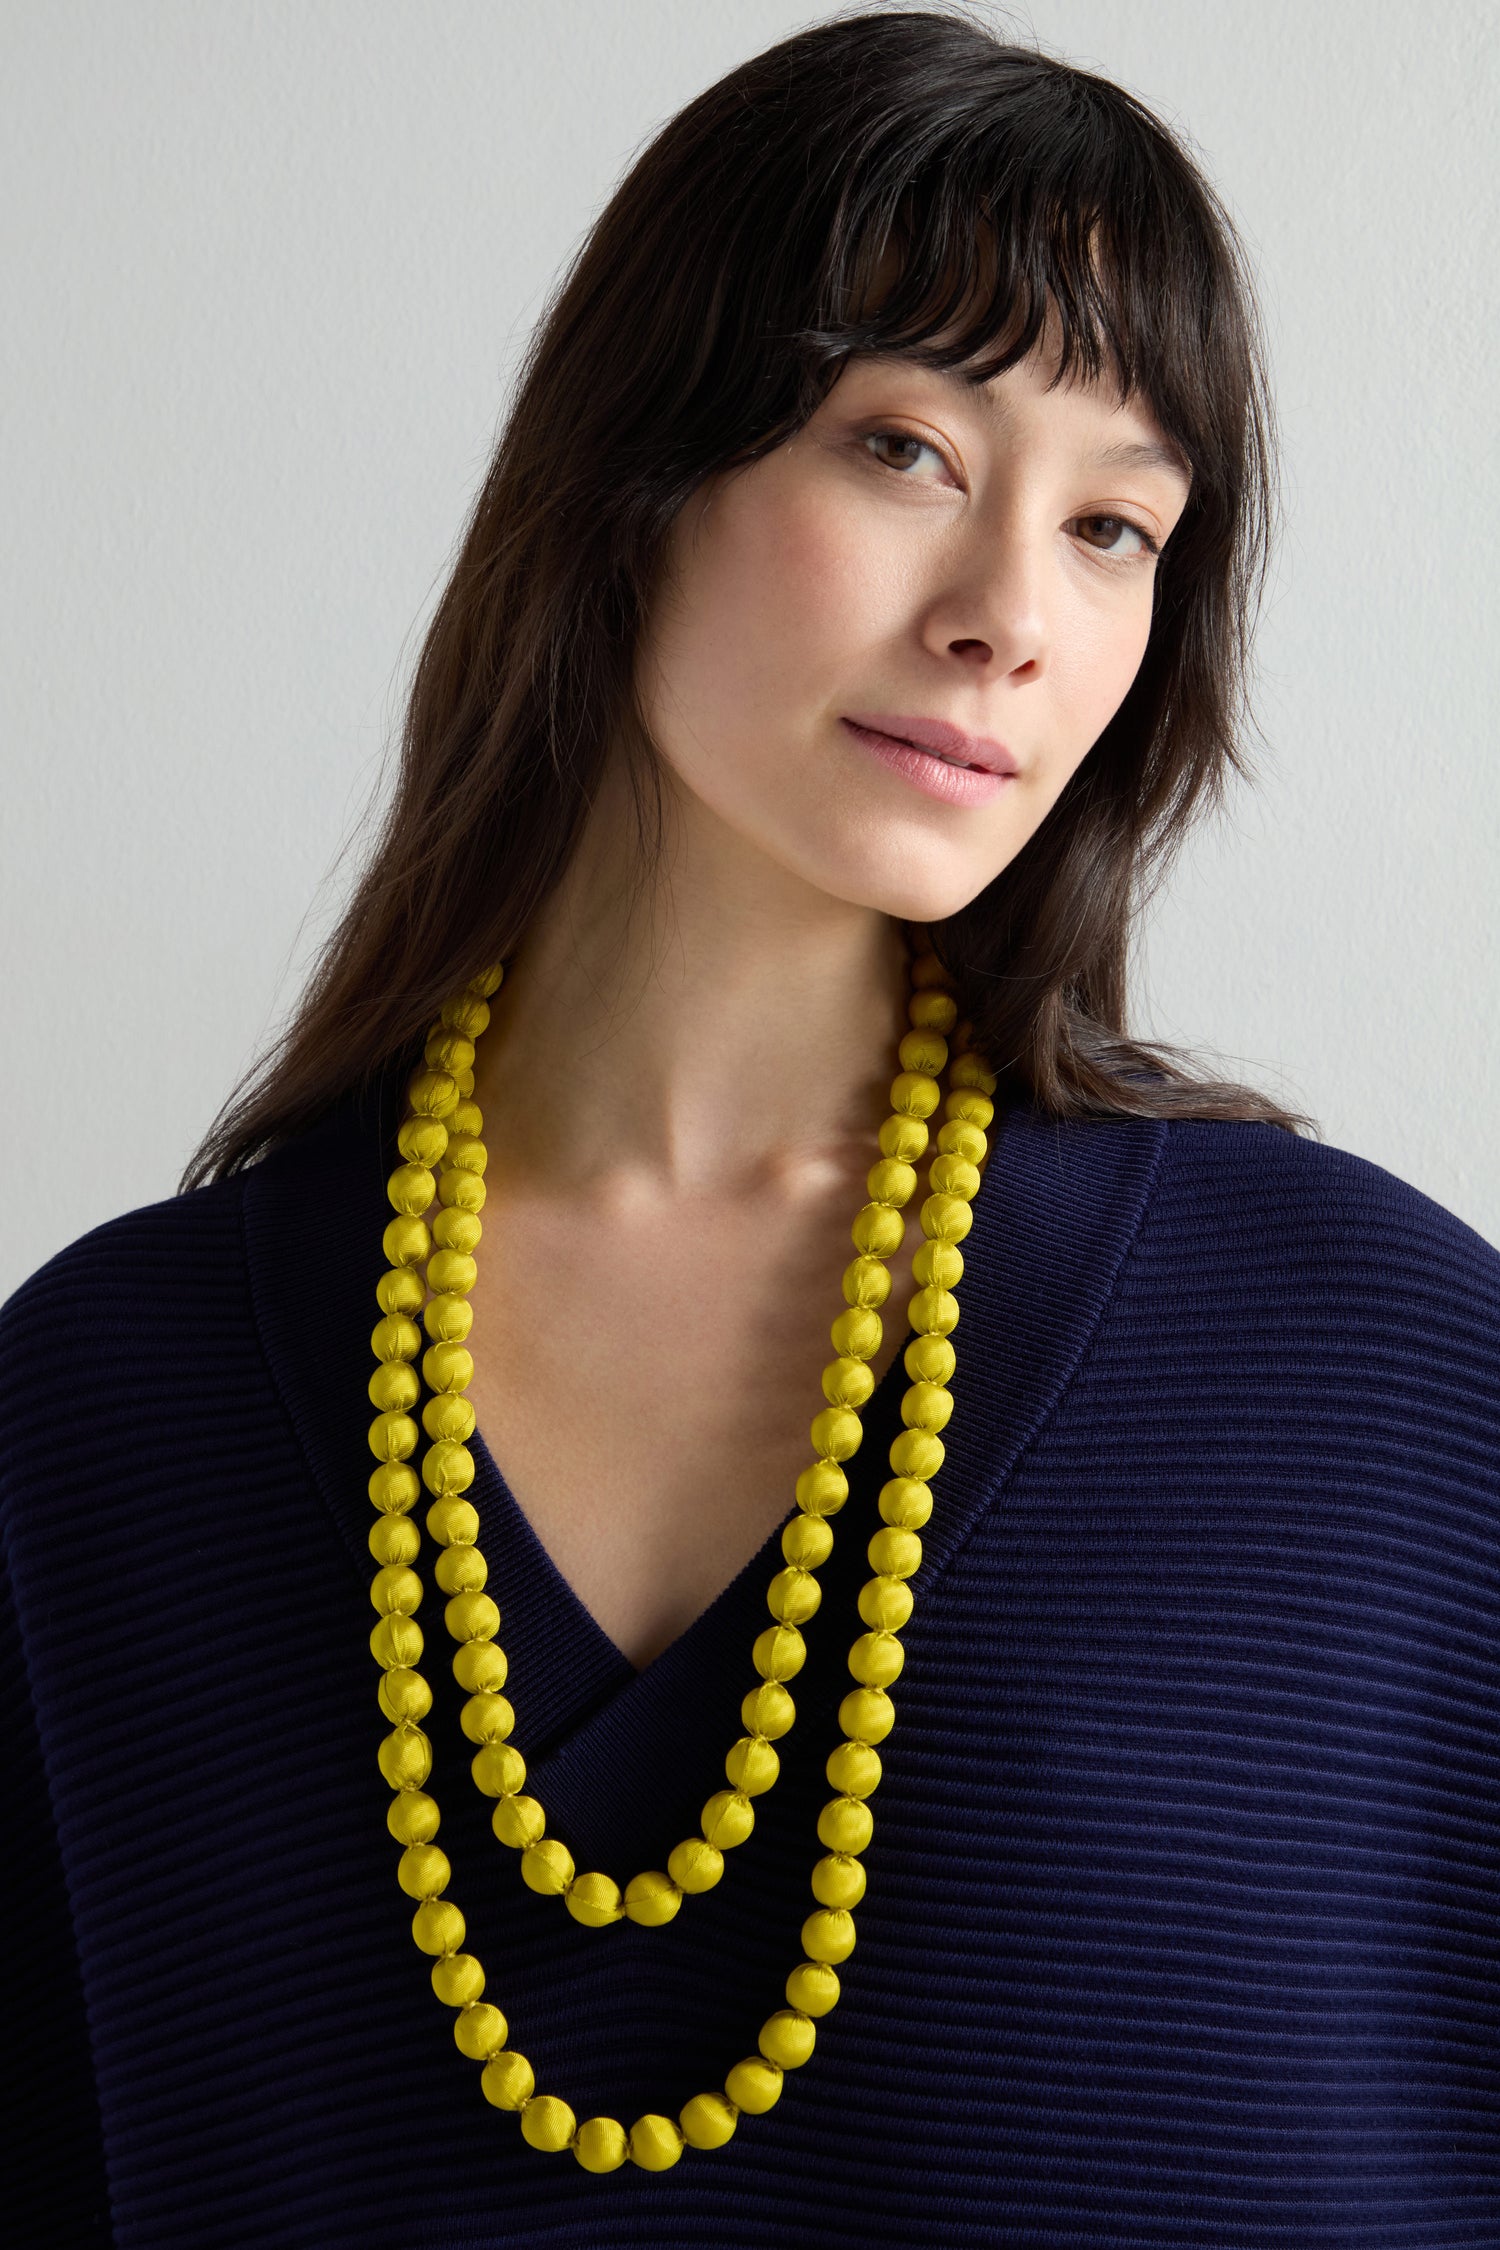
x=1057 y=1209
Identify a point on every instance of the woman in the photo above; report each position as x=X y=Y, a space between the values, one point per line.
x=853 y=619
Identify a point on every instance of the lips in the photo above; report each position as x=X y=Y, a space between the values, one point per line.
x=940 y=739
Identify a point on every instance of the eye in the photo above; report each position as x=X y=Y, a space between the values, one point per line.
x=899 y=450
x=1113 y=527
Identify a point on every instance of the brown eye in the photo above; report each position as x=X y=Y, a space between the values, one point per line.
x=1113 y=526
x=899 y=450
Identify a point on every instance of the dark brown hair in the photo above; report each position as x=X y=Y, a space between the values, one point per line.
x=893 y=182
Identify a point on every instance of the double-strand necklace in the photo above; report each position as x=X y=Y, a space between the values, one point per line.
x=431 y=1272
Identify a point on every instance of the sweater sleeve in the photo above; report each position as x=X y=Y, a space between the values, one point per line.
x=55 y=2190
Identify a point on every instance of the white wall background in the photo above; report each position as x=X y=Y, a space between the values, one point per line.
x=267 y=265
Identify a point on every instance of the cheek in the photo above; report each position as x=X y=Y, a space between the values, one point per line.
x=778 y=591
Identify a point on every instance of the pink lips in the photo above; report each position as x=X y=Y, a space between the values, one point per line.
x=926 y=753
x=939 y=737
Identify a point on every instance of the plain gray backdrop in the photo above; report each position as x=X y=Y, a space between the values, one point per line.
x=267 y=269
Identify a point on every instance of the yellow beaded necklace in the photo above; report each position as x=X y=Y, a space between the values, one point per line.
x=444 y=1159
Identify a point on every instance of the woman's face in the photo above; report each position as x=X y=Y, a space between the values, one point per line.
x=928 y=566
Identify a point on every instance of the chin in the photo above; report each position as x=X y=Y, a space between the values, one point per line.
x=911 y=892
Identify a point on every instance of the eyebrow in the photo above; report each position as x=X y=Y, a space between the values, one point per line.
x=1142 y=453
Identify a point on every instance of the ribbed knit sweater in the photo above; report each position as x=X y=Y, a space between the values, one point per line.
x=1183 y=1918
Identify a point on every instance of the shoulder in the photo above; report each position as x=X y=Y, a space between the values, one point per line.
x=1253 y=1184
x=1304 y=1257
x=89 y=1331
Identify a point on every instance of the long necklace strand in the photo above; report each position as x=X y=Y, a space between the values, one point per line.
x=443 y=1129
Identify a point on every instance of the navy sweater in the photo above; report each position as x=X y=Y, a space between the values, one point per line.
x=1183 y=1920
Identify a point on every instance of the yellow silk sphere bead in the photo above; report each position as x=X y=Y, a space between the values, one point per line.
x=876 y=1659
x=893 y=1553
x=397 y=1336
x=944 y=1218
x=422 y=1140
x=438 y=1927
x=919 y=1454
x=403 y=1695
x=393 y=1487
x=462 y=1191
x=728 y=1818
x=836 y=1432
x=905 y=1503
x=915 y=1093
x=708 y=2120
x=457 y=1229
x=927 y=1406
x=432 y=1093
x=448 y=1319
x=453 y=1521
x=461 y=1570
x=867 y=1283
x=480 y=1667
x=518 y=1822
x=394 y=1387
x=498 y=1770
x=546 y=1867
x=856 y=1334
x=778 y=1653
x=395 y=1590
x=488 y=1717
x=867 y=1714
x=400 y=1291
x=929 y=1359
x=393 y=1437
x=472 y=1617
x=656 y=2143
x=651 y=1898
x=695 y=1865
x=924 y=1051
x=932 y=1010
x=854 y=1769
x=455 y=1272
x=846 y=1382
x=807 y=1543
x=396 y=1640
x=885 y=1604
x=467 y=1013
x=969 y=1070
x=838 y=1881
x=822 y=1489
x=787 y=2038
x=845 y=1825
x=768 y=1710
x=480 y=2032
x=793 y=1595
x=447 y=1469
x=752 y=1765
x=959 y=1137
x=412 y=1817
x=448 y=1417
x=878 y=1231
x=601 y=2145
x=458 y=1980
x=905 y=1138
x=548 y=2123
x=890 y=1181
x=411 y=1187
x=828 y=1935
x=754 y=2085
x=447 y=1367
x=394 y=1539
x=938 y=1265
x=507 y=2081
x=406 y=1241
x=594 y=1900
x=813 y=1988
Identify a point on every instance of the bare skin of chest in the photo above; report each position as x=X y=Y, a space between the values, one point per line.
x=645 y=1373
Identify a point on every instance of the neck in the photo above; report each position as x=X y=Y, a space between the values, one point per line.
x=713 y=1026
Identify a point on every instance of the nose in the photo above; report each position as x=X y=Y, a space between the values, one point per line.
x=990 y=613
